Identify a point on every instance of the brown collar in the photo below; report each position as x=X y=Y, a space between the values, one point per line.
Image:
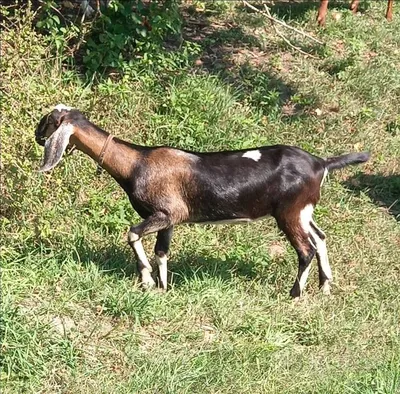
x=102 y=153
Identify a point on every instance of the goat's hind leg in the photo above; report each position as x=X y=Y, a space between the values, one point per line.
x=324 y=269
x=305 y=252
x=161 y=251
x=292 y=224
x=156 y=222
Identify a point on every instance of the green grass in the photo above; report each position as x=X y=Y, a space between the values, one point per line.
x=73 y=317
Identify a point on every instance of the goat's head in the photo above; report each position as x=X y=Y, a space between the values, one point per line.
x=54 y=132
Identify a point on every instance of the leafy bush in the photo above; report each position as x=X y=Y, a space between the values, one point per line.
x=128 y=30
x=120 y=37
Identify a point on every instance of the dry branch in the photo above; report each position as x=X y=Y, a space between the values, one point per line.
x=280 y=34
x=282 y=23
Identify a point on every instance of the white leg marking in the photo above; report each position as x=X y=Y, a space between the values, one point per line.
x=312 y=243
x=162 y=267
x=306 y=217
x=253 y=154
x=315 y=225
x=303 y=278
x=142 y=254
x=145 y=271
x=147 y=280
x=323 y=259
x=323 y=255
x=132 y=237
x=322 y=252
x=326 y=288
x=324 y=177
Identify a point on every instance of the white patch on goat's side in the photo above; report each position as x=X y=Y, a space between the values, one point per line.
x=324 y=177
x=252 y=154
x=186 y=155
x=303 y=278
x=162 y=269
x=62 y=107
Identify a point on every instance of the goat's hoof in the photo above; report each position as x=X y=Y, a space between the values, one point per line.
x=148 y=284
x=295 y=292
x=326 y=289
x=159 y=290
x=296 y=300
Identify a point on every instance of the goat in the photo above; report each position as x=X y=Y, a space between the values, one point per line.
x=323 y=8
x=169 y=186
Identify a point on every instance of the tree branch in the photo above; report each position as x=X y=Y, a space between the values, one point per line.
x=282 y=23
x=268 y=14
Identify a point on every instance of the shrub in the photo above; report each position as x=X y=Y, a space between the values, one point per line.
x=119 y=37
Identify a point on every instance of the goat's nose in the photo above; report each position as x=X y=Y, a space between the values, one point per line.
x=40 y=140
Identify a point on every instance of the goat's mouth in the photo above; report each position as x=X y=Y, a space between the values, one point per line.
x=40 y=140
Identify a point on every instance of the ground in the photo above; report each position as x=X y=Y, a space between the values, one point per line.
x=74 y=319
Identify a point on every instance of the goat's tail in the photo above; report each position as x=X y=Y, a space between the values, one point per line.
x=336 y=162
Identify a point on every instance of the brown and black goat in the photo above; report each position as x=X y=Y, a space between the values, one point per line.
x=168 y=186
x=323 y=8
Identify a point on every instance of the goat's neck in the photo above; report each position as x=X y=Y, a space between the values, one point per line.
x=118 y=160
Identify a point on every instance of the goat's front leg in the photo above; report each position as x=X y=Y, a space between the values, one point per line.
x=354 y=6
x=322 y=11
x=156 y=222
x=389 y=11
x=161 y=251
x=143 y=266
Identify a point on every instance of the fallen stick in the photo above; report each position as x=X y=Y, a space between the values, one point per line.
x=284 y=24
x=278 y=32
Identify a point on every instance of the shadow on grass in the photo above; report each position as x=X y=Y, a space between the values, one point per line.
x=120 y=262
x=246 y=63
x=383 y=190
x=297 y=9
x=111 y=259
x=185 y=268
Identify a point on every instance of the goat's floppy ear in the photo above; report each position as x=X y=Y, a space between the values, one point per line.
x=55 y=146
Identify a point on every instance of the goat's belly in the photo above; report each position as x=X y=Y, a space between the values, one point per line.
x=228 y=221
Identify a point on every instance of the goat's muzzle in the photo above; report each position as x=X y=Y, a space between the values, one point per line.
x=40 y=140
x=40 y=132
